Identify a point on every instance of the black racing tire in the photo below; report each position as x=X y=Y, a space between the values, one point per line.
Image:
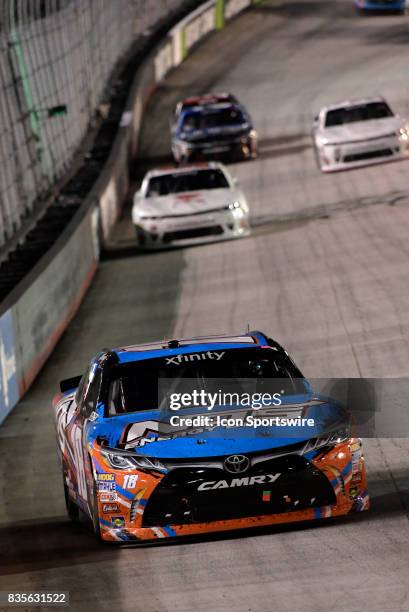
x=72 y=509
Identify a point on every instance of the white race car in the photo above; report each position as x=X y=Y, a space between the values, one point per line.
x=357 y=133
x=189 y=205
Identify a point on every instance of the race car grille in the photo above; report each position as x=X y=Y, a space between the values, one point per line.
x=368 y=155
x=194 y=232
x=367 y=139
x=192 y=495
x=215 y=139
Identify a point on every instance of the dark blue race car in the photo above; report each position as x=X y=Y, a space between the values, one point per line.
x=210 y=127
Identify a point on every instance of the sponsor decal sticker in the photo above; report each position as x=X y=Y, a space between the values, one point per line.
x=108 y=508
x=356 y=456
x=108 y=497
x=108 y=487
x=138 y=501
x=118 y=521
x=106 y=483
x=178 y=359
x=106 y=477
x=266 y=496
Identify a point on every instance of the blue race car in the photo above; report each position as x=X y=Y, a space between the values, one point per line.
x=144 y=458
x=395 y=6
x=212 y=126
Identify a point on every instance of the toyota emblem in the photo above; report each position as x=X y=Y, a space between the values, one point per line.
x=236 y=464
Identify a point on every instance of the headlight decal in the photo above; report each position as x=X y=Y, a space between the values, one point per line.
x=122 y=461
x=330 y=439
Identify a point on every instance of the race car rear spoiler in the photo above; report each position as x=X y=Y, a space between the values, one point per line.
x=69 y=383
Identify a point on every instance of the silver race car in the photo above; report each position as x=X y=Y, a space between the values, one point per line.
x=357 y=133
x=189 y=205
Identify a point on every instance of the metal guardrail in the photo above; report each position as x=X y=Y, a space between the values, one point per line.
x=55 y=60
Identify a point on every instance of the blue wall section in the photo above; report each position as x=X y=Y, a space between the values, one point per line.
x=9 y=394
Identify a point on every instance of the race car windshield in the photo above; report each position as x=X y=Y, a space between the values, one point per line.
x=189 y=181
x=213 y=119
x=134 y=386
x=361 y=112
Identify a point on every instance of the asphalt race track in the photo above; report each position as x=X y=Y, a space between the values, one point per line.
x=325 y=272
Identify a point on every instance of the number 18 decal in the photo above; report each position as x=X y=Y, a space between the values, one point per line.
x=130 y=481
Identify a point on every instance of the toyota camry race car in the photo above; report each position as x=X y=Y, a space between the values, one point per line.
x=142 y=465
x=190 y=205
x=358 y=133
x=212 y=126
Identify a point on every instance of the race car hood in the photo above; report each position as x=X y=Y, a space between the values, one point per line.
x=186 y=203
x=149 y=433
x=361 y=130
